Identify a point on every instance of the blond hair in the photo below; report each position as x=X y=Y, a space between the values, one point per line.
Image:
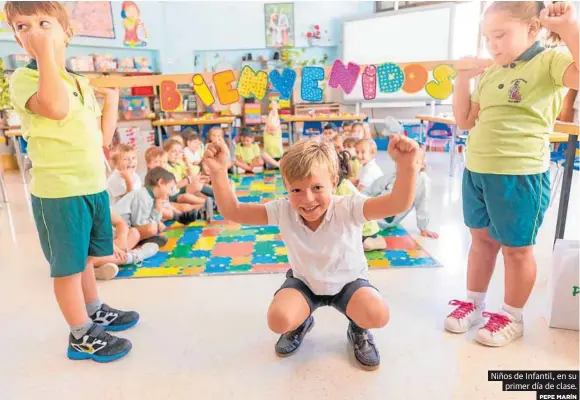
x=167 y=146
x=528 y=11
x=152 y=153
x=372 y=144
x=119 y=151
x=297 y=163
x=53 y=8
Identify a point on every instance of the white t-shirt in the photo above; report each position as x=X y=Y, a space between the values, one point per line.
x=330 y=257
x=191 y=156
x=369 y=173
x=117 y=187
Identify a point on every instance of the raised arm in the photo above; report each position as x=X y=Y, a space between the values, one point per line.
x=51 y=99
x=406 y=154
x=216 y=158
x=464 y=110
x=110 y=113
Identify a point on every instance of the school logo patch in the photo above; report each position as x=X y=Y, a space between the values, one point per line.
x=514 y=93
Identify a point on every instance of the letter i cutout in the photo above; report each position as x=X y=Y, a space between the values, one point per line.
x=369 y=82
x=202 y=90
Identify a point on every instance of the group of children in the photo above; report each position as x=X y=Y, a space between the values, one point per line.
x=321 y=230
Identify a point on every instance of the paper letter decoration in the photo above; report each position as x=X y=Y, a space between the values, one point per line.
x=202 y=90
x=283 y=83
x=223 y=87
x=343 y=76
x=441 y=86
x=369 y=82
x=391 y=78
x=310 y=78
x=415 y=77
x=169 y=96
x=252 y=84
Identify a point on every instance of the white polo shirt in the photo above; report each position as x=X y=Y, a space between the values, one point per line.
x=117 y=187
x=369 y=173
x=330 y=257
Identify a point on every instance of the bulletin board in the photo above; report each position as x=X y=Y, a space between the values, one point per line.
x=91 y=18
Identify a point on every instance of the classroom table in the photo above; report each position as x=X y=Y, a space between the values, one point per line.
x=292 y=119
x=170 y=123
x=564 y=132
x=453 y=125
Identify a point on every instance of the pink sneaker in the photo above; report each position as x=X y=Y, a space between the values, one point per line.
x=465 y=315
x=501 y=329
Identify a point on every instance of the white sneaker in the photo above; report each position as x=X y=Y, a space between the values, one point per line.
x=106 y=272
x=374 y=243
x=500 y=330
x=465 y=315
x=146 y=251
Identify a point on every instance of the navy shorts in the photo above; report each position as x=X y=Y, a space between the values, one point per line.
x=339 y=301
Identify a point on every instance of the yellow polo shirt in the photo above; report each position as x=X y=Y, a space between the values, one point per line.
x=519 y=104
x=273 y=143
x=179 y=170
x=67 y=155
x=248 y=154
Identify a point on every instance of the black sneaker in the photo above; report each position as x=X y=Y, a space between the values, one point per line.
x=97 y=345
x=115 y=320
x=365 y=350
x=188 y=217
x=157 y=239
x=290 y=342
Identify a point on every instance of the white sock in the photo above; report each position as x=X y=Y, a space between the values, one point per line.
x=513 y=311
x=129 y=258
x=478 y=298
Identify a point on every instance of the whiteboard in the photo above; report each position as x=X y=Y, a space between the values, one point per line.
x=408 y=35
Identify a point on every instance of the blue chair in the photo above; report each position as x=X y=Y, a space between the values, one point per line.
x=312 y=128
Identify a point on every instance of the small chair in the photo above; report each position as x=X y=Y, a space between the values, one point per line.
x=438 y=136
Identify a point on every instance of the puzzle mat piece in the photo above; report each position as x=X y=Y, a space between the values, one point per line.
x=225 y=247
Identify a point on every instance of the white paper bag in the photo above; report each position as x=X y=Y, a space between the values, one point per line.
x=565 y=285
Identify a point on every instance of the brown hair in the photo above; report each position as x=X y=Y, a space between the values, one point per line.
x=158 y=174
x=298 y=162
x=526 y=11
x=119 y=150
x=190 y=136
x=344 y=166
x=53 y=8
x=167 y=146
x=349 y=141
x=211 y=133
x=152 y=153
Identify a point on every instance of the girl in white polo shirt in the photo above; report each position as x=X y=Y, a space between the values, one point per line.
x=322 y=233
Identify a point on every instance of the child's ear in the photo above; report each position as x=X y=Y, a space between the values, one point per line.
x=335 y=181
x=69 y=34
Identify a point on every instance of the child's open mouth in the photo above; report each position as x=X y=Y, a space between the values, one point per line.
x=309 y=210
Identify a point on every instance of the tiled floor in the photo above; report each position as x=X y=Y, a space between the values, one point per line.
x=206 y=337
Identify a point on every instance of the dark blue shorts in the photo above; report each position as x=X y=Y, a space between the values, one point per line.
x=339 y=301
x=512 y=207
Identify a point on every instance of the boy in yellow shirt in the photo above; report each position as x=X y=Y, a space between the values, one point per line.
x=65 y=130
x=248 y=156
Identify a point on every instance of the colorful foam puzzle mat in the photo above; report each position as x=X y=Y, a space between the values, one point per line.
x=224 y=247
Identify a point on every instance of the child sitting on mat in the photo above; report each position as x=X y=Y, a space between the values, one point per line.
x=193 y=151
x=124 y=178
x=216 y=136
x=322 y=233
x=366 y=150
x=142 y=209
x=125 y=250
x=346 y=128
x=248 y=156
x=273 y=148
x=384 y=185
x=358 y=131
x=370 y=239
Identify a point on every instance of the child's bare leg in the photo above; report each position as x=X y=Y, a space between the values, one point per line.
x=520 y=274
x=89 y=282
x=270 y=160
x=367 y=309
x=133 y=238
x=184 y=207
x=258 y=162
x=148 y=231
x=481 y=260
x=242 y=165
x=190 y=198
x=287 y=311
x=166 y=214
x=69 y=295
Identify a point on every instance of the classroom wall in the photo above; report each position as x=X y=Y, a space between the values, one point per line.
x=205 y=28
x=150 y=14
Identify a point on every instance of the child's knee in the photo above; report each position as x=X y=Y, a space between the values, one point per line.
x=378 y=314
x=483 y=242
x=279 y=321
x=134 y=235
x=517 y=254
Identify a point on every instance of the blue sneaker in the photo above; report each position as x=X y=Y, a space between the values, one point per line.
x=115 y=320
x=97 y=345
